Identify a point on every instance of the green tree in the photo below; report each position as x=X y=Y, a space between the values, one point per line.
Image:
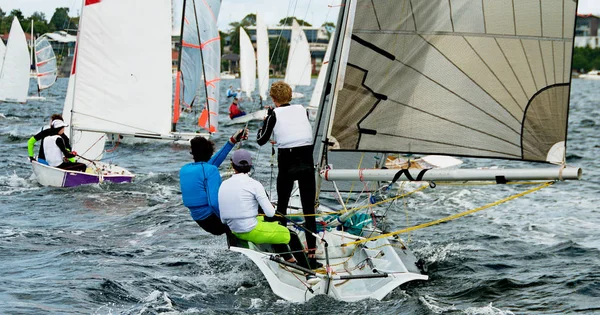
x=60 y=19
x=2 y=24
x=249 y=20
x=278 y=54
x=40 y=26
x=289 y=20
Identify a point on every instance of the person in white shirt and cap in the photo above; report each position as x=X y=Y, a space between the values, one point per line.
x=239 y=200
x=56 y=151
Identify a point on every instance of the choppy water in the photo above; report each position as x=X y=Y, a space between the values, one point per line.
x=133 y=249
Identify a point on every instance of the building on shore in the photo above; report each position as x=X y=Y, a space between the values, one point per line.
x=586 y=31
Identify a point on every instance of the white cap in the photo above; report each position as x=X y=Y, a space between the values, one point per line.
x=57 y=124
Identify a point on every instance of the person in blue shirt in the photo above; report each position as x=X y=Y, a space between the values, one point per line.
x=231 y=92
x=200 y=181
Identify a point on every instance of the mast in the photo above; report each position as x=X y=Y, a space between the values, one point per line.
x=203 y=67
x=324 y=111
x=178 y=78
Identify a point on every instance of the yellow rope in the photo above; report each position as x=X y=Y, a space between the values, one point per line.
x=452 y=217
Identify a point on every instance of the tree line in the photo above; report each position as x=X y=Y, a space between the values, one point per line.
x=60 y=20
x=586 y=59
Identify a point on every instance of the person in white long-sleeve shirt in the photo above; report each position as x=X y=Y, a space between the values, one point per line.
x=239 y=199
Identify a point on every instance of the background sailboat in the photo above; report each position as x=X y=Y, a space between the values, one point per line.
x=298 y=69
x=261 y=62
x=45 y=66
x=247 y=64
x=14 y=74
x=198 y=74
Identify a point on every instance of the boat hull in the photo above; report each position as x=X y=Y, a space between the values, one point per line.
x=56 y=177
x=258 y=115
x=357 y=272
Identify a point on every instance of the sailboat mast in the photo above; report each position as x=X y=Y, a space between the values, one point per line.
x=325 y=111
x=178 y=77
x=203 y=66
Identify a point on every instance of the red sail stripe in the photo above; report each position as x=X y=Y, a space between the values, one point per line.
x=210 y=82
x=184 y=44
x=176 y=108
x=210 y=41
x=74 y=60
x=89 y=2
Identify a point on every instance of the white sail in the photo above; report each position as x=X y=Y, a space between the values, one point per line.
x=262 y=56
x=247 y=64
x=88 y=144
x=299 y=66
x=45 y=63
x=123 y=68
x=14 y=76
x=318 y=90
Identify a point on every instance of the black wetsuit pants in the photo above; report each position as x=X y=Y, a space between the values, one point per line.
x=296 y=164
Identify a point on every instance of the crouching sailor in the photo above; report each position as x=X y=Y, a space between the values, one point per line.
x=200 y=182
x=239 y=199
x=56 y=152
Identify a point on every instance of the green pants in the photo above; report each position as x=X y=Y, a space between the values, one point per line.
x=266 y=233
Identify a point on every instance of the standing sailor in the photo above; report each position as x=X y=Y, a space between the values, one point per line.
x=292 y=134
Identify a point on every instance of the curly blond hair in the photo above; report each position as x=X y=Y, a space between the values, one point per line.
x=281 y=92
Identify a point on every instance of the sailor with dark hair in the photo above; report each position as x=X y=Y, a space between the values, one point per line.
x=292 y=134
x=200 y=181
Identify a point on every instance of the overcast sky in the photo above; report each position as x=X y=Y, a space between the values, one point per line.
x=315 y=12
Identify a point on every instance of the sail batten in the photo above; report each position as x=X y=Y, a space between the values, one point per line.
x=468 y=78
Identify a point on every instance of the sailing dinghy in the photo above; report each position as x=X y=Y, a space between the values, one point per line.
x=155 y=117
x=45 y=66
x=477 y=79
x=14 y=68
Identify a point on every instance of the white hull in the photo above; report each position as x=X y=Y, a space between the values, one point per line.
x=384 y=266
x=297 y=95
x=258 y=115
x=36 y=98
x=96 y=173
x=179 y=138
x=589 y=77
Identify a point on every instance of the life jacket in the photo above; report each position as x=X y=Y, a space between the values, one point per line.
x=52 y=153
x=292 y=128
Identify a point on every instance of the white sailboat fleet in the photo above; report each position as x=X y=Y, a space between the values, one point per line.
x=434 y=79
x=14 y=66
x=250 y=64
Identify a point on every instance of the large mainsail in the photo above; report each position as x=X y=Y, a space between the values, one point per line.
x=121 y=87
x=247 y=63
x=468 y=78
x=262 y=56
x=14 y=73
x=45 y=63
x=199 y=67
x=298 y=69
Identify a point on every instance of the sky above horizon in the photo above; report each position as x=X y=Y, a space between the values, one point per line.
x=315 y=12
